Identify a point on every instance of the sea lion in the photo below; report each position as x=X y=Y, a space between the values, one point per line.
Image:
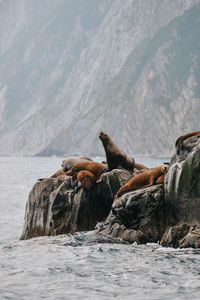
x=115 y=157
x=69 y=162
x=148 y=177
x=74 y=176
x=58 y=173
x=94 y=167
x=86 y=178
x=140 y=167
x=182 y=138
x=160 y=179
x=69 y=172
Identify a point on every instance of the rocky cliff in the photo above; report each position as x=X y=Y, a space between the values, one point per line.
x=69 y=69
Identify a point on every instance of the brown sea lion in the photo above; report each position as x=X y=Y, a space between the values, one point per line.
x=115 y=157
x=160 y=179
x=58 y=173
x=69 y=173
x=73 y=174
x=141 y=167
x=69 y=162
x=86 y=178
x=92 y=166
x=182 y=138
x=148 y=177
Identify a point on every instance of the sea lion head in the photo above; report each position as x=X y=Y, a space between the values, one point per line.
x=87 y=179
x=103 y=136
x=68 y=163
x=73 y=172
x=75 y=169
x=64 y=165
x=164 y=168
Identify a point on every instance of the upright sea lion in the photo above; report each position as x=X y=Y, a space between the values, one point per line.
x=69 y=162
x=86 y=178
x=115 y=157
x=148 y=177
x=94 y=167
x=182 y=138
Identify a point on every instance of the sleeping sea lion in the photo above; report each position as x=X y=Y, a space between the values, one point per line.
x=148 y=177
x=69 y=162
x=115 y=157
x=86 y=178
x=94 y=167
x=140 y=167
x=58 y=173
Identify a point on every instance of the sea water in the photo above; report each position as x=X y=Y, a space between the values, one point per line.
x=82 y=265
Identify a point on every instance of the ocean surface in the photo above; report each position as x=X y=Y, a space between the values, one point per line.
x=82 y=266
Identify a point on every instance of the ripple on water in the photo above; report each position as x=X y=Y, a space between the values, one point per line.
x=87 y=265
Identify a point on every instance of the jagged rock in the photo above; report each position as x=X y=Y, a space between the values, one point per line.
x=182 y=196
x=170 y=214
x=137 y=216
x=182 y=184
x=173 y=234
x=182 y=236
x=192 y=238
x=55 y=207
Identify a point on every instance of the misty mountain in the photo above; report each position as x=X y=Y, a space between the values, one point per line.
x=71 y=68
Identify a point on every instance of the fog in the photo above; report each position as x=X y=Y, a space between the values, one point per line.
x=69 y=69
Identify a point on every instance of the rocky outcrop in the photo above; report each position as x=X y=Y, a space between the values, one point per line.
x=55 y=206
x=182 y=196
x=137 y=216
x=168 y=213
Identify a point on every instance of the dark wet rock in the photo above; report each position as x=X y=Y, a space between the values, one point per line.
x=192 y=238
x=182 y=196
x=174 y=234
x=55 y=206
x=137 y=216
x=182 y=236
x=182 y=184
x=169 y=213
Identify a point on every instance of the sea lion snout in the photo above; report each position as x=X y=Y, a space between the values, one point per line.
x=164 y=168
x=102 y=135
